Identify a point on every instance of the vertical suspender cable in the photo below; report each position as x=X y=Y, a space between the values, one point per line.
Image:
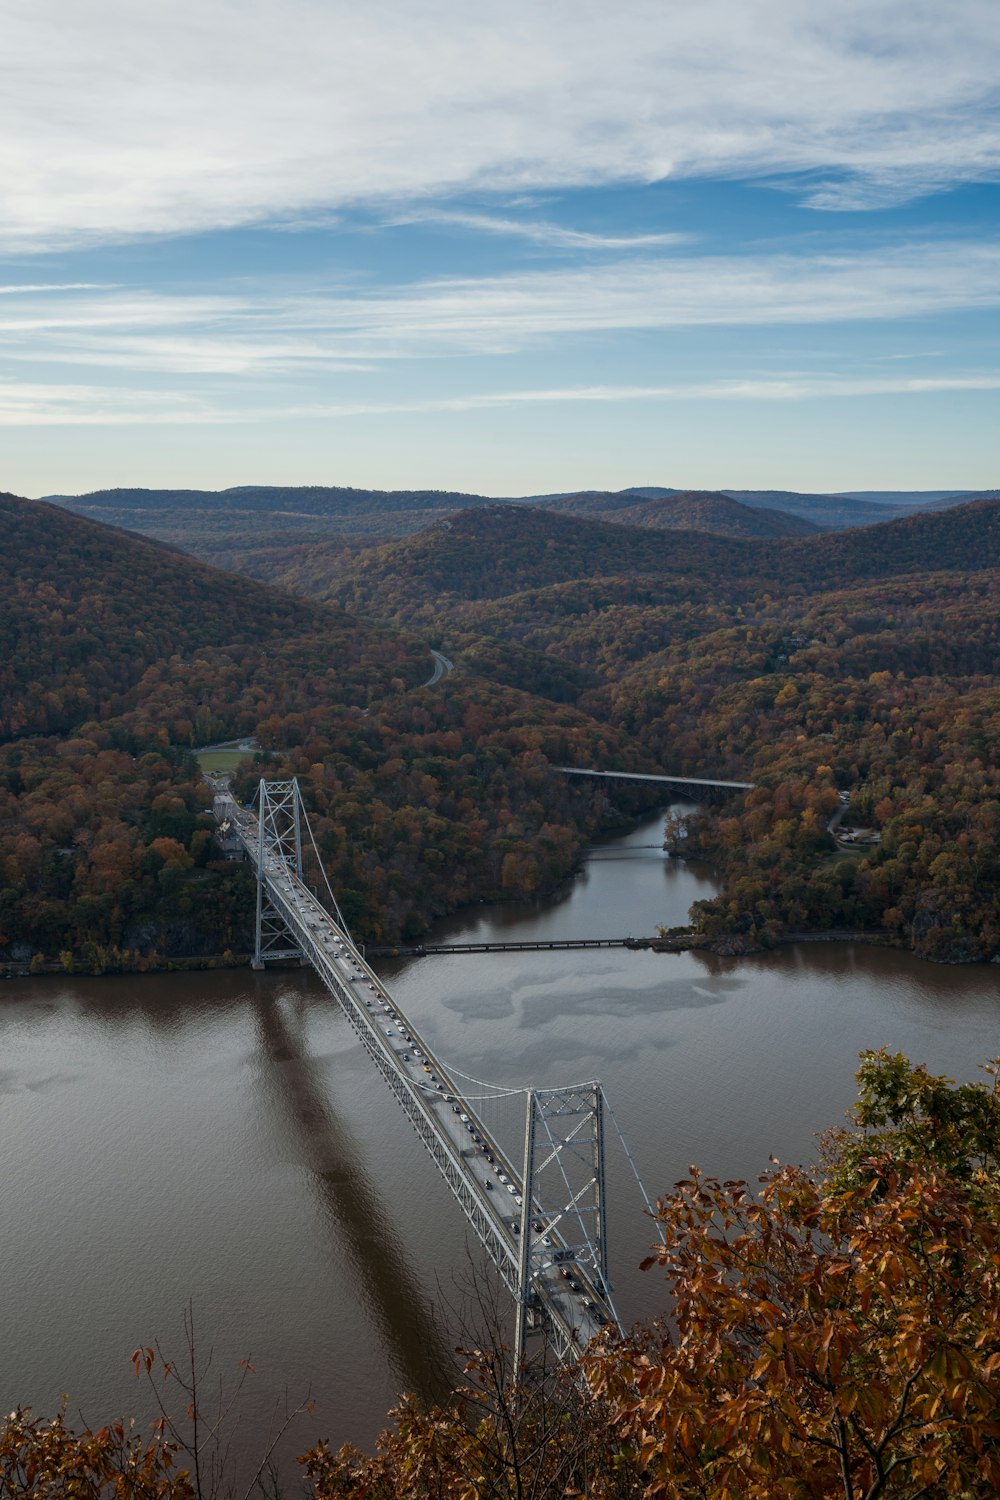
x=635 y=1170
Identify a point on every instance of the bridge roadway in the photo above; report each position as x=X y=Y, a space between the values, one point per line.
x=695 y=781
x=481 y=1176
x=549 y=945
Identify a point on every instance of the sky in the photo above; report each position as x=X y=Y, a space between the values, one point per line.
x=508 y=249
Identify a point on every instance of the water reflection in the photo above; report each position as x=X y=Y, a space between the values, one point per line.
x=225 y=1137
x=356 y=1219
x=16 y=1081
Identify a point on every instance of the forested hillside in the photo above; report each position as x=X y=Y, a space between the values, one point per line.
x=499 y=550
x=964 y=537
x=495 y=551
x=256 y=529
x=126 y=655
x=88 y=610
x=866 y=662
x=690 y=510
x=834 y=512
x=269 y=499
x=262 y=530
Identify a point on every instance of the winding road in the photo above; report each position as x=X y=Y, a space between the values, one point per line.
x=442 y=666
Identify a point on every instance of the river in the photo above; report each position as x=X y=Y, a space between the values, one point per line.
x=223 y=1138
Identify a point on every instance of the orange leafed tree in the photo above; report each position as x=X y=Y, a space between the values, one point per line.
x=39 y=1459
x=833 y=1343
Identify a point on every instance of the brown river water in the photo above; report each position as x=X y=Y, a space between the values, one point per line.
x=223 y=1137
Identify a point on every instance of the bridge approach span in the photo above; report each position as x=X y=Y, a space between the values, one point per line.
x=551 y=1255
x=677 y=781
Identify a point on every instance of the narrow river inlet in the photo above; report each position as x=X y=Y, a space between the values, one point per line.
x=223 y=1137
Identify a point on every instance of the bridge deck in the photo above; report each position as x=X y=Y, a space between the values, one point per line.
x=469 y=1158
x=550 y=945
x=732 y=786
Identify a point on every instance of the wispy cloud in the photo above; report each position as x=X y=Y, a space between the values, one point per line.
x=540 y=231
x=790 y=388
x=119 y=120
x=23 y=289
x=263 y=330
x=94 y=405
x=116 y=308
x=41 y=405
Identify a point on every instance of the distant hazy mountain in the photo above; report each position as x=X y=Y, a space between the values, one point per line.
x=832 y=512
x=265 y=530
x=950 y=501
x=686 y=510
x=960 y=538
x=828 y=512
x=302 y=500
x=494 y=552
x=258 y=529
x=718 y=514
x=654 y=491
x=880 y=497
x=911 y=497
x=599 y=503
x=840 y=509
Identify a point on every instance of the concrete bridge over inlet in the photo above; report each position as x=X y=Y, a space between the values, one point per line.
x=693 y=786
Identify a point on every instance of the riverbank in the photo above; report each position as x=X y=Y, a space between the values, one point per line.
x=141 y=965
x=733 y=945
x=221 y=1136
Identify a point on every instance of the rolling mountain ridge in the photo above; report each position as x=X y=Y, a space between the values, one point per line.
x=687 y=510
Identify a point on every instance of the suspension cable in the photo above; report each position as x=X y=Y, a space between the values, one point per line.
x=500 y=1091
x=498 y=1088
x=635 y=1170
x=322 y=867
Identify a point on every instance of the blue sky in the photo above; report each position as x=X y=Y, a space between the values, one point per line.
x=751 y=243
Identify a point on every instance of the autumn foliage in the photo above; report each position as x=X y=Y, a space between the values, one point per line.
x=826 y=1343
x=866 y=662
x=125 y=656
x=836 y=1334
x=43 y=1459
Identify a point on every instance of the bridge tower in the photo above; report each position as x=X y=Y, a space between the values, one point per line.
x=279 y=822
x=564 y=1189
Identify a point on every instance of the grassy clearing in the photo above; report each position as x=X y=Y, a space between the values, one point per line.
x=221 y=760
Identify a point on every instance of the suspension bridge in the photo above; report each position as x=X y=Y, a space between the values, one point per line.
x=525 y=1165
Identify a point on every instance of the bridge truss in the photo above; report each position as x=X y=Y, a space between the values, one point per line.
x=279 y=838
x=538 y=1205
